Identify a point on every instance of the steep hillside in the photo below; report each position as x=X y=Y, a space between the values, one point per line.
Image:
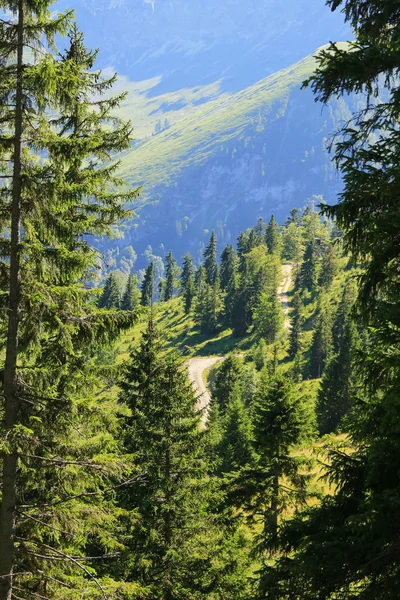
x=225 y=159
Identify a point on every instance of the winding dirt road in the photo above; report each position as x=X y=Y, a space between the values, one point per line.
x=199 y=364
x=196 y=367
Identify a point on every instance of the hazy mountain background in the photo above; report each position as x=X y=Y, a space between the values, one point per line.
x=223 y=132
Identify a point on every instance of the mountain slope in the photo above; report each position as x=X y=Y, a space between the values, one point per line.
x=231 y=158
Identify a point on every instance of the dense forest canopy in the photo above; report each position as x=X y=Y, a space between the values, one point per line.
x=223 y=426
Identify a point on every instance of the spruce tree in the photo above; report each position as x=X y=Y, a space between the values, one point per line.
x=236 y=449
x=322 y=343
x=53 y=106
x=110 y=297
x=281 y=421
x=296 y=329
x=210 y=261
x=147 y=288
x=273 y=237
x=170 y=277
x=329 y=266
x=348 y=546
x=309 y=268
x=228 y=266
x=187 y=285
x=131 y=296
x=227 y=380
x=339 y=384
x=167 y=551
x=259 y=230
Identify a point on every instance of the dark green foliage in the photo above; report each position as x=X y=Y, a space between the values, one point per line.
x=228 y=267
x=59 y=137
x=229 y=376
x=348 y=547
x=208 y=308
x=329 y=267
x=310 y=268
x=131 y=296
x=170 y=277
x=281 y=421
x=110 y=297
x=322 y=343
x=175 y=548
x=210 y=261
x=338 y=389
x=147 y=287
x=187 y=285
x=297 y=322
x=236 y=448
x=273 y=237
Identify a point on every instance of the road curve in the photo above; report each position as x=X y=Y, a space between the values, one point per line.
x=196 y=367
x=199 y=364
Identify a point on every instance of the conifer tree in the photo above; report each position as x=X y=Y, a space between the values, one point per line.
x=339 y=384
x=228 y=267
x=52 y=325
x=131 y=296
x=363 y=516
x=273 y=237
x=236 y=449
x=170 y=276
x=167 y=550
x=309 y=268
x=296 y=329
x=228 y=378
x=321 y=348
x=187 y=285
x=210 y=261
x=328 y=266
x=259 y=230
x=281 y=421
x=148 y=286
x=110 y=297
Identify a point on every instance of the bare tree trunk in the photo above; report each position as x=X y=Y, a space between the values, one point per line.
x=11 y=406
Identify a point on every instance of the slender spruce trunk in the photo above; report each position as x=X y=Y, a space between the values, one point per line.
x=275 y=503
x=11 y=404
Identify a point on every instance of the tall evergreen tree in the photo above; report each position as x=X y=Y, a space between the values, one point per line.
x=273 y=237
x=329 y=266
x=187 y=285
x=321 y=348
x=168 y=554
x=110 y=298
x=228 y=266
x=296 y=329
x=210 y=261
x=52 y=326
x=309 y=268
x=147 y=288
x=259 y=230
x=281 y=421
x=347 y=547
x=170 y=276
x=340 y=381
x=228 y=377
x=236 y=449
x=131 y=296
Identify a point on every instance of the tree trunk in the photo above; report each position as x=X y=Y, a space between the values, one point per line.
x=11 y=401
